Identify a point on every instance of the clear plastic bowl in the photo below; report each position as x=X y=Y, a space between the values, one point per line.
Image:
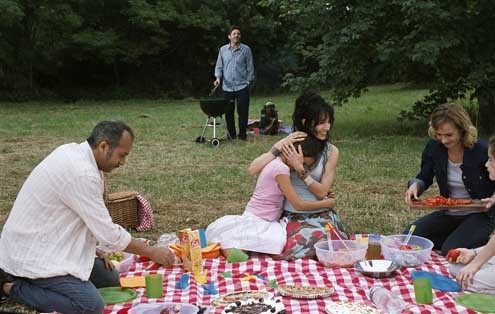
x=408 y=258
x=345 y=253
x=124 y=265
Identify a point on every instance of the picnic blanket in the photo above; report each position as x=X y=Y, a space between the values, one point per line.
x=349 y=284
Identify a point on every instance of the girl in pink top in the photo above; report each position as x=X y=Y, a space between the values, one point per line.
x=260 y=228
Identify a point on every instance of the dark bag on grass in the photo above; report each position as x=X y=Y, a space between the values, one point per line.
x=269 y=119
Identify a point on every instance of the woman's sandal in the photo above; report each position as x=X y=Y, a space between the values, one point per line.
x=4 y=278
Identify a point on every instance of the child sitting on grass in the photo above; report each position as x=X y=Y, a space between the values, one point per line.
x=475 y=268
x=260 y=228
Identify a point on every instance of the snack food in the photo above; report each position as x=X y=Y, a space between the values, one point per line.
x=175 y=309
x=241 y=296
x=259 y=306
x=444 y=201
x=407 y=247
x=116 y=256
x=345 y=307
x=304 y=292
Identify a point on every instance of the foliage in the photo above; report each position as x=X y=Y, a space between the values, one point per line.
x=446 y=44
x=147 y=48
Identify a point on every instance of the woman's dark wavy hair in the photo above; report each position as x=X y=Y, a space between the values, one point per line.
x=311 y=146
x=310 y=110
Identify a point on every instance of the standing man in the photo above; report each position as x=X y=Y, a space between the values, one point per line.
x=236 y=71
x=48 y=244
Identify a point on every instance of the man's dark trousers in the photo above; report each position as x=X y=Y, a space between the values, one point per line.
x=242 y=97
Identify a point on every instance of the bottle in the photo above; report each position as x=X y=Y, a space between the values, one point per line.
x=386 y=300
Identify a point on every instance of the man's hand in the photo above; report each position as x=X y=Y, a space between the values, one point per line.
x=161 y=255
x=216 y=82
x=103 y=256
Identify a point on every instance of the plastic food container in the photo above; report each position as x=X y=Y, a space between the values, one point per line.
x=124 y=265
x=416 y=255
x=345 y=253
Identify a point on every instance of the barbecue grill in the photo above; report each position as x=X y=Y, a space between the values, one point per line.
x=214 y=108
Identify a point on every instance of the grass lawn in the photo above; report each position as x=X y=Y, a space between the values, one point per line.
x=192 y=184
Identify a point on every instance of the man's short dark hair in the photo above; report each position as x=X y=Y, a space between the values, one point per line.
x=233 y=28
x=110 y=132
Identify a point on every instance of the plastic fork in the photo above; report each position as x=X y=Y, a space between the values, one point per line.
x=409 y=234
x=329 y=228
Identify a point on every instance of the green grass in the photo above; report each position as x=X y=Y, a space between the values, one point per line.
x=192 y=184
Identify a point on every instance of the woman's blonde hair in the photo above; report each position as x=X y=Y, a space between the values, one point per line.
x=491 y=146
x=456 y=115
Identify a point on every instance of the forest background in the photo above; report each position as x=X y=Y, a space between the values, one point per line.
x=115 y=49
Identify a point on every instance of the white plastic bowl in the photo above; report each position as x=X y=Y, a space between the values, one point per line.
x=345 y=253
x=408 y=258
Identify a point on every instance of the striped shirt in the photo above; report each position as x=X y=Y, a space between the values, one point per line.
x=58 y=217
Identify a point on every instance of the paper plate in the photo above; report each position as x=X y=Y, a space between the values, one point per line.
x=438 y=281
x=478 y=302
x=304 y=292
x=113 y=295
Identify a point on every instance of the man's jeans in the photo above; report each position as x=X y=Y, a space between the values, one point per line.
x=65 y=294
x=242 y=97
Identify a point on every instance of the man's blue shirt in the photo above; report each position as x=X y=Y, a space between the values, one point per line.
x=235 y=67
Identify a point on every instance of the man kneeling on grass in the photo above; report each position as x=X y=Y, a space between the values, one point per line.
x=48 y=243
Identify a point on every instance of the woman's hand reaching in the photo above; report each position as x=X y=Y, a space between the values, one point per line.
x=412 y=193
x=490 y=201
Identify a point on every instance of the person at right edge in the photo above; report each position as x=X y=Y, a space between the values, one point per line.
x=235 y=69
x=456 y=158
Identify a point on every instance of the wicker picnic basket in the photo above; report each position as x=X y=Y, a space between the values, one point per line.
x=123 y=208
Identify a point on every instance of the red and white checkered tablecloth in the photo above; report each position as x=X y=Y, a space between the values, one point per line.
x=349 y=284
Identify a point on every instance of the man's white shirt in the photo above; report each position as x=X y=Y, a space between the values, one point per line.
x=58 y=218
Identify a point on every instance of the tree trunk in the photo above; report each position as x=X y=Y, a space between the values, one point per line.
x=486 y=101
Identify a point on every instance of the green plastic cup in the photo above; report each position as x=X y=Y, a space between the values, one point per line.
x=154 y=286
x=237 y=256
x=422 y=290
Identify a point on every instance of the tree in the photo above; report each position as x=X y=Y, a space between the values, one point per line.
x=447 y=44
